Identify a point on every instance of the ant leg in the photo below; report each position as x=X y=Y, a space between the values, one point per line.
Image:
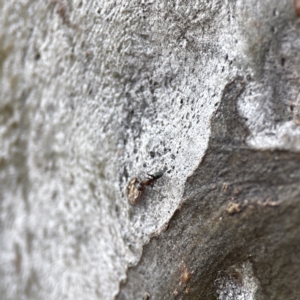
x=158 y=192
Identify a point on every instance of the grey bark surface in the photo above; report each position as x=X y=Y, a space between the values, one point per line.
x=95 y=93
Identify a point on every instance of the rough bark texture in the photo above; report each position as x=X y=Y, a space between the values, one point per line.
x=94 y=93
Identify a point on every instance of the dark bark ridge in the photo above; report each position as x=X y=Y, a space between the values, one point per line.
x=236 y=233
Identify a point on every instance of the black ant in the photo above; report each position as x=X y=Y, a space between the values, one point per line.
x=136 y=187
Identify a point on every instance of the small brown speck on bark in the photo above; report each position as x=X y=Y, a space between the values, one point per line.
x=297 y=7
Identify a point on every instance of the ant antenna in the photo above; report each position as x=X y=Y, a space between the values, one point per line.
x=158 y=192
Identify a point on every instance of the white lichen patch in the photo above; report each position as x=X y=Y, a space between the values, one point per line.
x=236 y=283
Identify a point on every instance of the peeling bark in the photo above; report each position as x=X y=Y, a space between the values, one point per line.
x=209 y=252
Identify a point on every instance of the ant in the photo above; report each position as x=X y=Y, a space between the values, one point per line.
x=136 y=187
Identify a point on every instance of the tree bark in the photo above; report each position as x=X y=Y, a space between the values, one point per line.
x=97 y=93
